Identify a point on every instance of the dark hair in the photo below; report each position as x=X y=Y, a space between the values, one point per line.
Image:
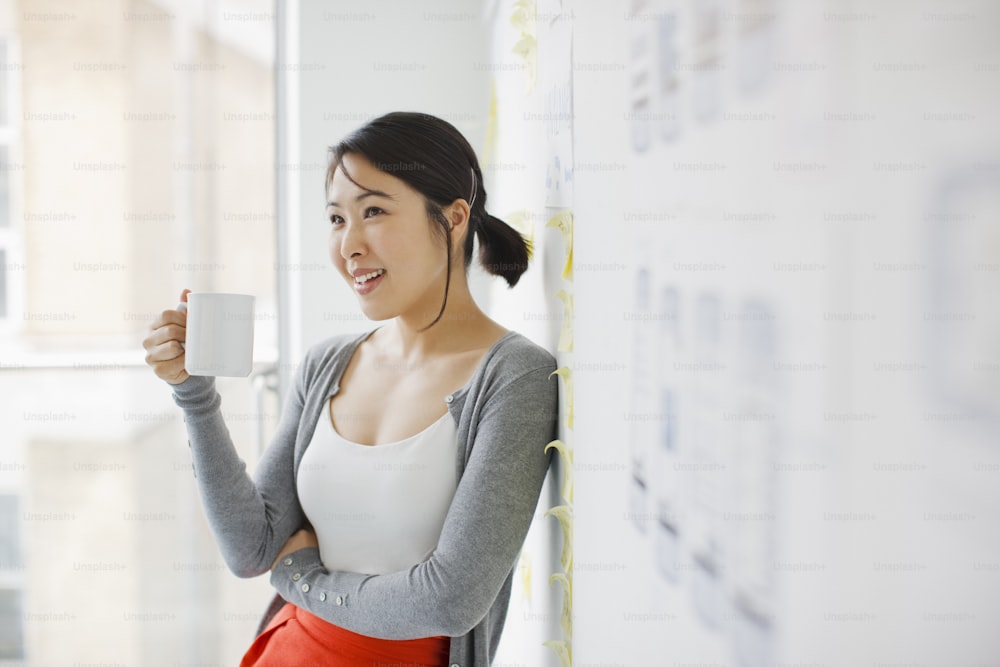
x=432 y=157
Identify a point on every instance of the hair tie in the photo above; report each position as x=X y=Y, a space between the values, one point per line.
x=473 y=201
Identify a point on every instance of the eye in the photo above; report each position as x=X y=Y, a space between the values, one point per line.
x=336 y=219
x=373 y=210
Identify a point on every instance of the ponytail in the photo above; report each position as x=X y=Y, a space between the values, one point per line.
x=502 y=250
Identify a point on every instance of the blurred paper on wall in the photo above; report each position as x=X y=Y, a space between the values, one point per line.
x=555 y=43
x=962 y=317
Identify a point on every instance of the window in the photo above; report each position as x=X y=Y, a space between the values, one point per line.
x=195 y=139
x=10 y=264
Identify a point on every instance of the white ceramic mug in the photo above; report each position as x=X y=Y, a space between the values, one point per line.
x=219 y=339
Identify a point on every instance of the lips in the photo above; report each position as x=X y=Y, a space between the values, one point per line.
x=366 y=280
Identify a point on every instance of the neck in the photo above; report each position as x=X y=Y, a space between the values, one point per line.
x=459 y=322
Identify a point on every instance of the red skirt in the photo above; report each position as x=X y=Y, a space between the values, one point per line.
x=296 y=638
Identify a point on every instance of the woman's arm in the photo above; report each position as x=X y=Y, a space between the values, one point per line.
x=251 y=518
x=483 y=532
x=250 y=521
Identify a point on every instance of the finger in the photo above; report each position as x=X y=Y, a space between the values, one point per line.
x=164 y=334
x=164 y=353
x=170 y=316
x=182 y=306
x=167 y=360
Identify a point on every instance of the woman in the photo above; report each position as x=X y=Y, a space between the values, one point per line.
x=394 y=500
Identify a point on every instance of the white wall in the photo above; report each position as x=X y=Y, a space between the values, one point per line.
x=353 y=64
x=830 y=180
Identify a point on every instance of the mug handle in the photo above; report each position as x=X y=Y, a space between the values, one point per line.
x=182 y=307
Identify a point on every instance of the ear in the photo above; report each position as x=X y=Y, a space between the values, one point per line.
x=457 y=214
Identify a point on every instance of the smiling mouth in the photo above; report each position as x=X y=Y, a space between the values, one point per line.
x=361 y=280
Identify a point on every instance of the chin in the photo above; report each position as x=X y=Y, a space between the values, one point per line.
x=377 y=314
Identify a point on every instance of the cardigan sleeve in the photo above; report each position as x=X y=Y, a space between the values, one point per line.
x=483 y=532
x=250 y=518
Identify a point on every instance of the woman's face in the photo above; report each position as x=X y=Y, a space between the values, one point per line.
x=383 y=244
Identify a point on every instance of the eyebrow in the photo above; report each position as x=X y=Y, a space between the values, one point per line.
x=369 y=193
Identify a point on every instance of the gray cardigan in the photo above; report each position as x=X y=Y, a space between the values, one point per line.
x=506 y=414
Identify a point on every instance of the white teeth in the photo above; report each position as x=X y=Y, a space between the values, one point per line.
x=368 y=276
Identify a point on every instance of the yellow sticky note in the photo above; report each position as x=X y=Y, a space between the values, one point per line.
x=564 y=514
x=527 y=49
x=566 y=615
x=566 y=452
x=490 y=141
x=565 y=343
x=566 y=373
x=524 y=569
x=523 y=18
x=563 y=650
x=564 y=223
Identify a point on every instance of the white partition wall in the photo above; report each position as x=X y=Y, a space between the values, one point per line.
x=791 y=212
x=342 y=65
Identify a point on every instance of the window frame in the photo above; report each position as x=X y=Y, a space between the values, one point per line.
x=12 y=235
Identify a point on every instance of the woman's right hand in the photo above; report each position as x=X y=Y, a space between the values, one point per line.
x=164 y=344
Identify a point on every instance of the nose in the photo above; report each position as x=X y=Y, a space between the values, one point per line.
x=352 y=242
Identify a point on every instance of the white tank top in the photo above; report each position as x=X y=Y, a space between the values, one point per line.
x=378 y=508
